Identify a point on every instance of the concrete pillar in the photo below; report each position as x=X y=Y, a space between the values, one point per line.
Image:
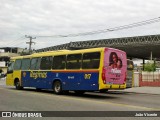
x=136 y=79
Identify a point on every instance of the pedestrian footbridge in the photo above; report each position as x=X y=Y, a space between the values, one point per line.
x=136 y=47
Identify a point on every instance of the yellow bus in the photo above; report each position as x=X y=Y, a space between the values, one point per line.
x=94 y=69
x=130 y=75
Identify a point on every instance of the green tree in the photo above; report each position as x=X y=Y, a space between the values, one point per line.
x=150 y=67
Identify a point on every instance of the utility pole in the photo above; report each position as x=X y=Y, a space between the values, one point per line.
x=30 y=42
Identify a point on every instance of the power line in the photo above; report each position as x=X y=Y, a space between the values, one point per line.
x=136 y=24
x=13 y=42
x=18 y=43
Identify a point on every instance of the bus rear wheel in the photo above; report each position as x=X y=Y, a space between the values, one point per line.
x=57 y=87
x=17 y=85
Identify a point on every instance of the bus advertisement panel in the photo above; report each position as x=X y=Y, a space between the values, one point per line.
x=115 y=64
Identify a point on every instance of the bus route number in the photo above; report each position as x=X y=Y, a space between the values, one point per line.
x=87 y=76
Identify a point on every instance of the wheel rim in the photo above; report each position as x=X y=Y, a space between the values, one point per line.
x=17 y=84
x=57 y=87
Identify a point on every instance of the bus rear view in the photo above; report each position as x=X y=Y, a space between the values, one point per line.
x=114 y=70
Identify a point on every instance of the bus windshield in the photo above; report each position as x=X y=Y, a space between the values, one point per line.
x=130 y=65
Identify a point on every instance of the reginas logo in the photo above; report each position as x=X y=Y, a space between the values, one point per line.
x=38 y=74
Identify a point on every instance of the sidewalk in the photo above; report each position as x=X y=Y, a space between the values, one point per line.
x=147 y=90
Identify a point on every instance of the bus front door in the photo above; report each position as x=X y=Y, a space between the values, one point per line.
x=9 y=77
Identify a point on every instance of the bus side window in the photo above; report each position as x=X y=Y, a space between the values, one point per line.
x=91 y=60
x=17 y=64
x=46 y=63
x=10 y=67
x=25 y=64
x=35 y=64
x=59 y=62
x=74 y=61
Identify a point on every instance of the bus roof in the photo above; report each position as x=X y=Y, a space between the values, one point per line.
x=61 y=52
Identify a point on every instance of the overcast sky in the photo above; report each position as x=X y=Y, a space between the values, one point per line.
x=61 y=17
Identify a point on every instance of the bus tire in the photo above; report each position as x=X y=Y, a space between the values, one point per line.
x=57 y=87
x=17 y=85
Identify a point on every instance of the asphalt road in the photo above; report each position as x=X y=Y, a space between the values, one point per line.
x=31 y=100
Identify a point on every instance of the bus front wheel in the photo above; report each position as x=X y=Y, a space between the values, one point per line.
x=57 y=87
x=17 y=85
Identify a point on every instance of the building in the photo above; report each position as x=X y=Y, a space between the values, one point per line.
x=6 y=53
